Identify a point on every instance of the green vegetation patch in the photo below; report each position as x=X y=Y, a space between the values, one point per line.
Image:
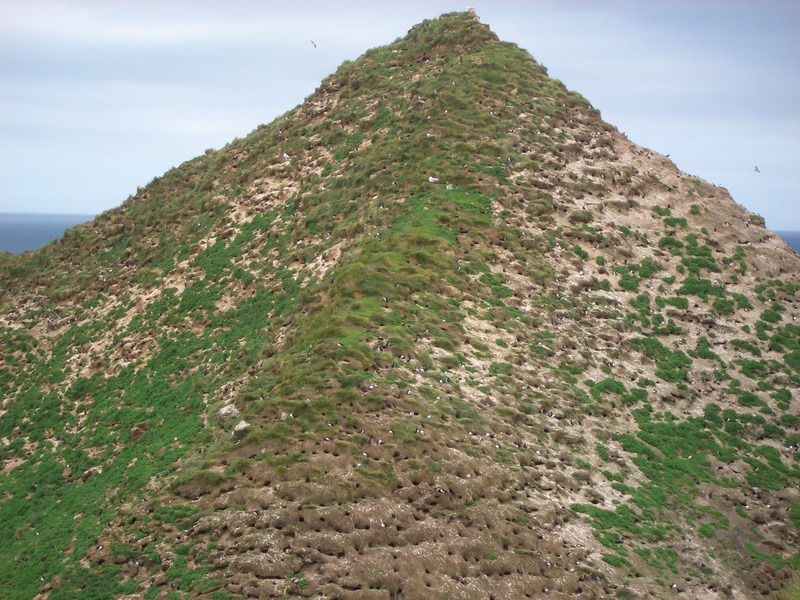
x=675 y=458
x=672 y=365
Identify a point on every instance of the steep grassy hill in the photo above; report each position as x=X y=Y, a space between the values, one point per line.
x=438 y=332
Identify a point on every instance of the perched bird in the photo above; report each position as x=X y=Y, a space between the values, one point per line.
x=757 y=170
x=433 y=180
x=286 y=156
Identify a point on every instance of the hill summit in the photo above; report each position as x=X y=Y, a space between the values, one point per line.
x=438 y=332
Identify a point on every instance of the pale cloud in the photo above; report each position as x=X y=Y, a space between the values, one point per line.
x=98 y=97
x=115 y=24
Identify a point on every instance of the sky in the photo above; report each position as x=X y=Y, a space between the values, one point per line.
x=98 y=97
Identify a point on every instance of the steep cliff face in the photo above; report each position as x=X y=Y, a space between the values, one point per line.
x=438 y=332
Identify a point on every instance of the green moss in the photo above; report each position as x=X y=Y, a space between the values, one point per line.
x=794 y=515
x=661 y=211
x=605 y=386
x=678 y=302
x=615 y=560
x=672 y=365
x=670 y=243
x=703 y=288
x=723 y=306
x=629 y=282
x=676 y=222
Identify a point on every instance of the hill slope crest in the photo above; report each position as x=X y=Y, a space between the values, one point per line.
x=439 y=331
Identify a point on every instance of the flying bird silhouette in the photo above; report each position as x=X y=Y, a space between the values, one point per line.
x=313 y=44
x=757 y=170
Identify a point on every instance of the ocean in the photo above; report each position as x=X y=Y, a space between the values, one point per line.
x=28 y=231
x=792 y=238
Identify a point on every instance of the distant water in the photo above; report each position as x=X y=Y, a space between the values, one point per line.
x=792 y=238
x=28 y=231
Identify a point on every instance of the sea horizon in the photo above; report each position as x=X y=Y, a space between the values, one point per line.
x=792 y=238
x=23 y=232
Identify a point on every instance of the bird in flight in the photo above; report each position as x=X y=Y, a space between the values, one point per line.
x=313 y=44
x=757 y=170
